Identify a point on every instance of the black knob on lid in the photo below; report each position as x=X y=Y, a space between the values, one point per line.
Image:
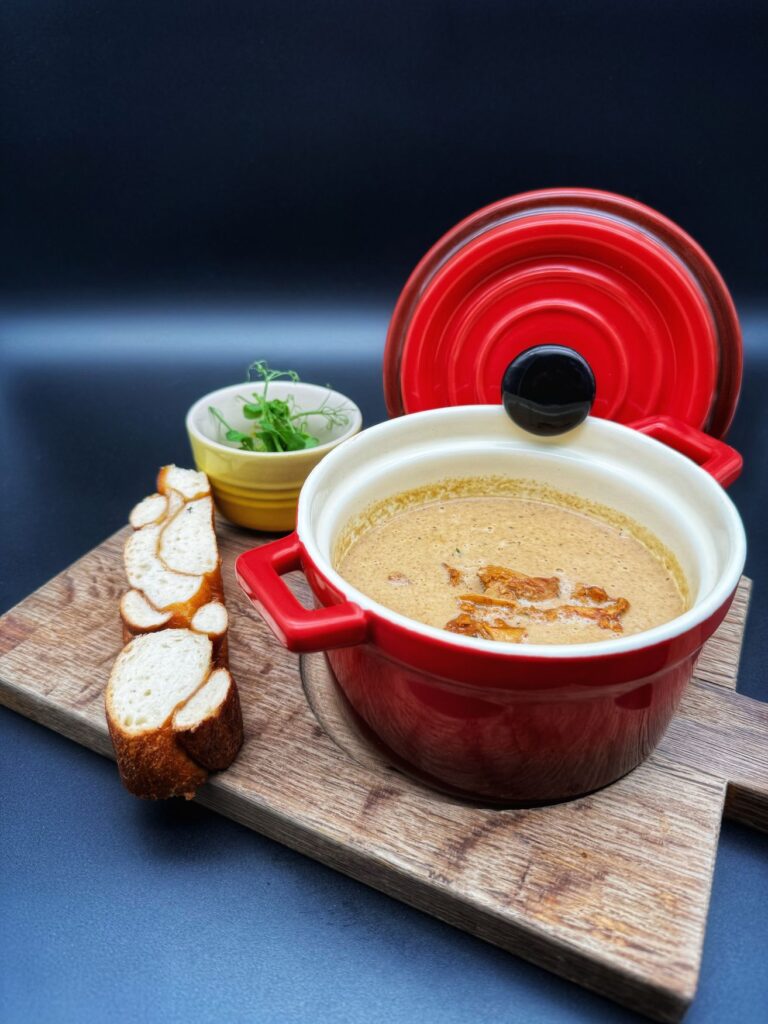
x=548 y=389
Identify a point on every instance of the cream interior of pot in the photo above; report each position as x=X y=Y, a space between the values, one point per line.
x=600 y=461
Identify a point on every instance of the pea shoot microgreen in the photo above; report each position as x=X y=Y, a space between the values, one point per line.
x=278 y=425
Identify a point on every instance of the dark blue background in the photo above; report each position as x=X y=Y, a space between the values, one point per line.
x=256 y=143
x=187 y=186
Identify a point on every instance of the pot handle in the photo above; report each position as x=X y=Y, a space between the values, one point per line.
x=716 y=457
x=298 y=628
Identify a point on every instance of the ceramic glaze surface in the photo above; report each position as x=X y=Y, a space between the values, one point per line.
x=603 y=274
x=260 y=490
x=508 y=722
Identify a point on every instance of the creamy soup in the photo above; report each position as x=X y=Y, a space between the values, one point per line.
x=514 y=568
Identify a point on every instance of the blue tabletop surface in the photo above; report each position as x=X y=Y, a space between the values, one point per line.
x=113 y=909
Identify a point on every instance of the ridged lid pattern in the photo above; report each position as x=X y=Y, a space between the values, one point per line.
x=605 y=275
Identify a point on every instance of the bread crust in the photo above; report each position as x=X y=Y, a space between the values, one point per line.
x=215 y=741
x=153 y=765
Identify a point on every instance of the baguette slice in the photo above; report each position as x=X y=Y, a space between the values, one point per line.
x=187 y=542
x=173 y=709
x=151 y=510
x=187 y=482
x=210 y=725
x=152 y=677
x=212 y=619
x=139 y=616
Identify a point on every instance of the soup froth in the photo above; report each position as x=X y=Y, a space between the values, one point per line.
x=525 y=566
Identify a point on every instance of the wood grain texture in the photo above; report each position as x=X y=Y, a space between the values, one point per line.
x=610 y=890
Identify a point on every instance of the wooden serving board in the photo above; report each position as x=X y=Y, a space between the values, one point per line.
x=610 y=890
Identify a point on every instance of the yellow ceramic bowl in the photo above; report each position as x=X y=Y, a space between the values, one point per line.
x=260 y=489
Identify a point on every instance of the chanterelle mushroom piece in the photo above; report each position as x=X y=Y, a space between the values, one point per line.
x=499 y=581
x=455 y=576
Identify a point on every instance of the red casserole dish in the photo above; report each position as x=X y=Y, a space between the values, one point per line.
x=511 y=723
x=639 y=300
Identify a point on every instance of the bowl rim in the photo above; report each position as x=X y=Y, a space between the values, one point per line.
x=353 y=427
x=682 y=624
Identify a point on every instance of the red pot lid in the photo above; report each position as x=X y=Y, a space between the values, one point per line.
x=598 y=272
